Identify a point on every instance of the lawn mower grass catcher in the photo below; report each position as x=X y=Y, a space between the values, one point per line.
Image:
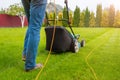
x=63 y=40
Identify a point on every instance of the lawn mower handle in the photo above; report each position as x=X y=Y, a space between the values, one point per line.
x=66 y=2
x=67 y=20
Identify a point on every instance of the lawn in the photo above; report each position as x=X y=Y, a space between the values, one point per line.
x=102 y=46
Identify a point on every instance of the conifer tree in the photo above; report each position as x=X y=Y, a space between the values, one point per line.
x=76 y=19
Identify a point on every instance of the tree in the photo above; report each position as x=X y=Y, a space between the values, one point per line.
x=117 y=19
x=15 y=9
x=76 y=18
x=99 y=15
x=87 y=17
x=104 y=22
x=71 y=18
x=65 y=17
x=92 y=20
x=18 y=10
x=82 y=14
x=111 y=15
x=60 y=16
x=51 y=17
x=2 y=11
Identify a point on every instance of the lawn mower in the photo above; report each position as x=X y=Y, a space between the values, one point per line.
x=63 y=40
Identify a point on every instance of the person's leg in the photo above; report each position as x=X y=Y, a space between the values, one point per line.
x=25 y=45
x=37 y=12
x=26 y=5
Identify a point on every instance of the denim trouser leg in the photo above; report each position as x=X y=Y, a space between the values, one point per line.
x=37 y=12
x=25 y=42
x=26 y=5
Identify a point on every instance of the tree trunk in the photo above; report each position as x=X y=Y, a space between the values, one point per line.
x=22 y=19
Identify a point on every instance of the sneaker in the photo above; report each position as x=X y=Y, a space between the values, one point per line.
x=38 y=66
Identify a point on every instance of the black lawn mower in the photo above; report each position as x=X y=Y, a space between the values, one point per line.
x=63 y=40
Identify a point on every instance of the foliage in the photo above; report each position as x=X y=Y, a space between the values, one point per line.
x=105 y=22
x=76 y=18
x=51 y=16
x=15 y=9
x=65 y=24
x=2 y=11
x=87 y=17
x=99 y=15
x=92 y=20
x=107 y=17
x=71 y=18
x=82 y=14
x=117 y=19
x=111 y=15
x=60 y=17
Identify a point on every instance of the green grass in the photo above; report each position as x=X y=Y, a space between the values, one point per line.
x=105 y=60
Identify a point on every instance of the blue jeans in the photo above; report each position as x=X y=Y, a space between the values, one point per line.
x=35 y=10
